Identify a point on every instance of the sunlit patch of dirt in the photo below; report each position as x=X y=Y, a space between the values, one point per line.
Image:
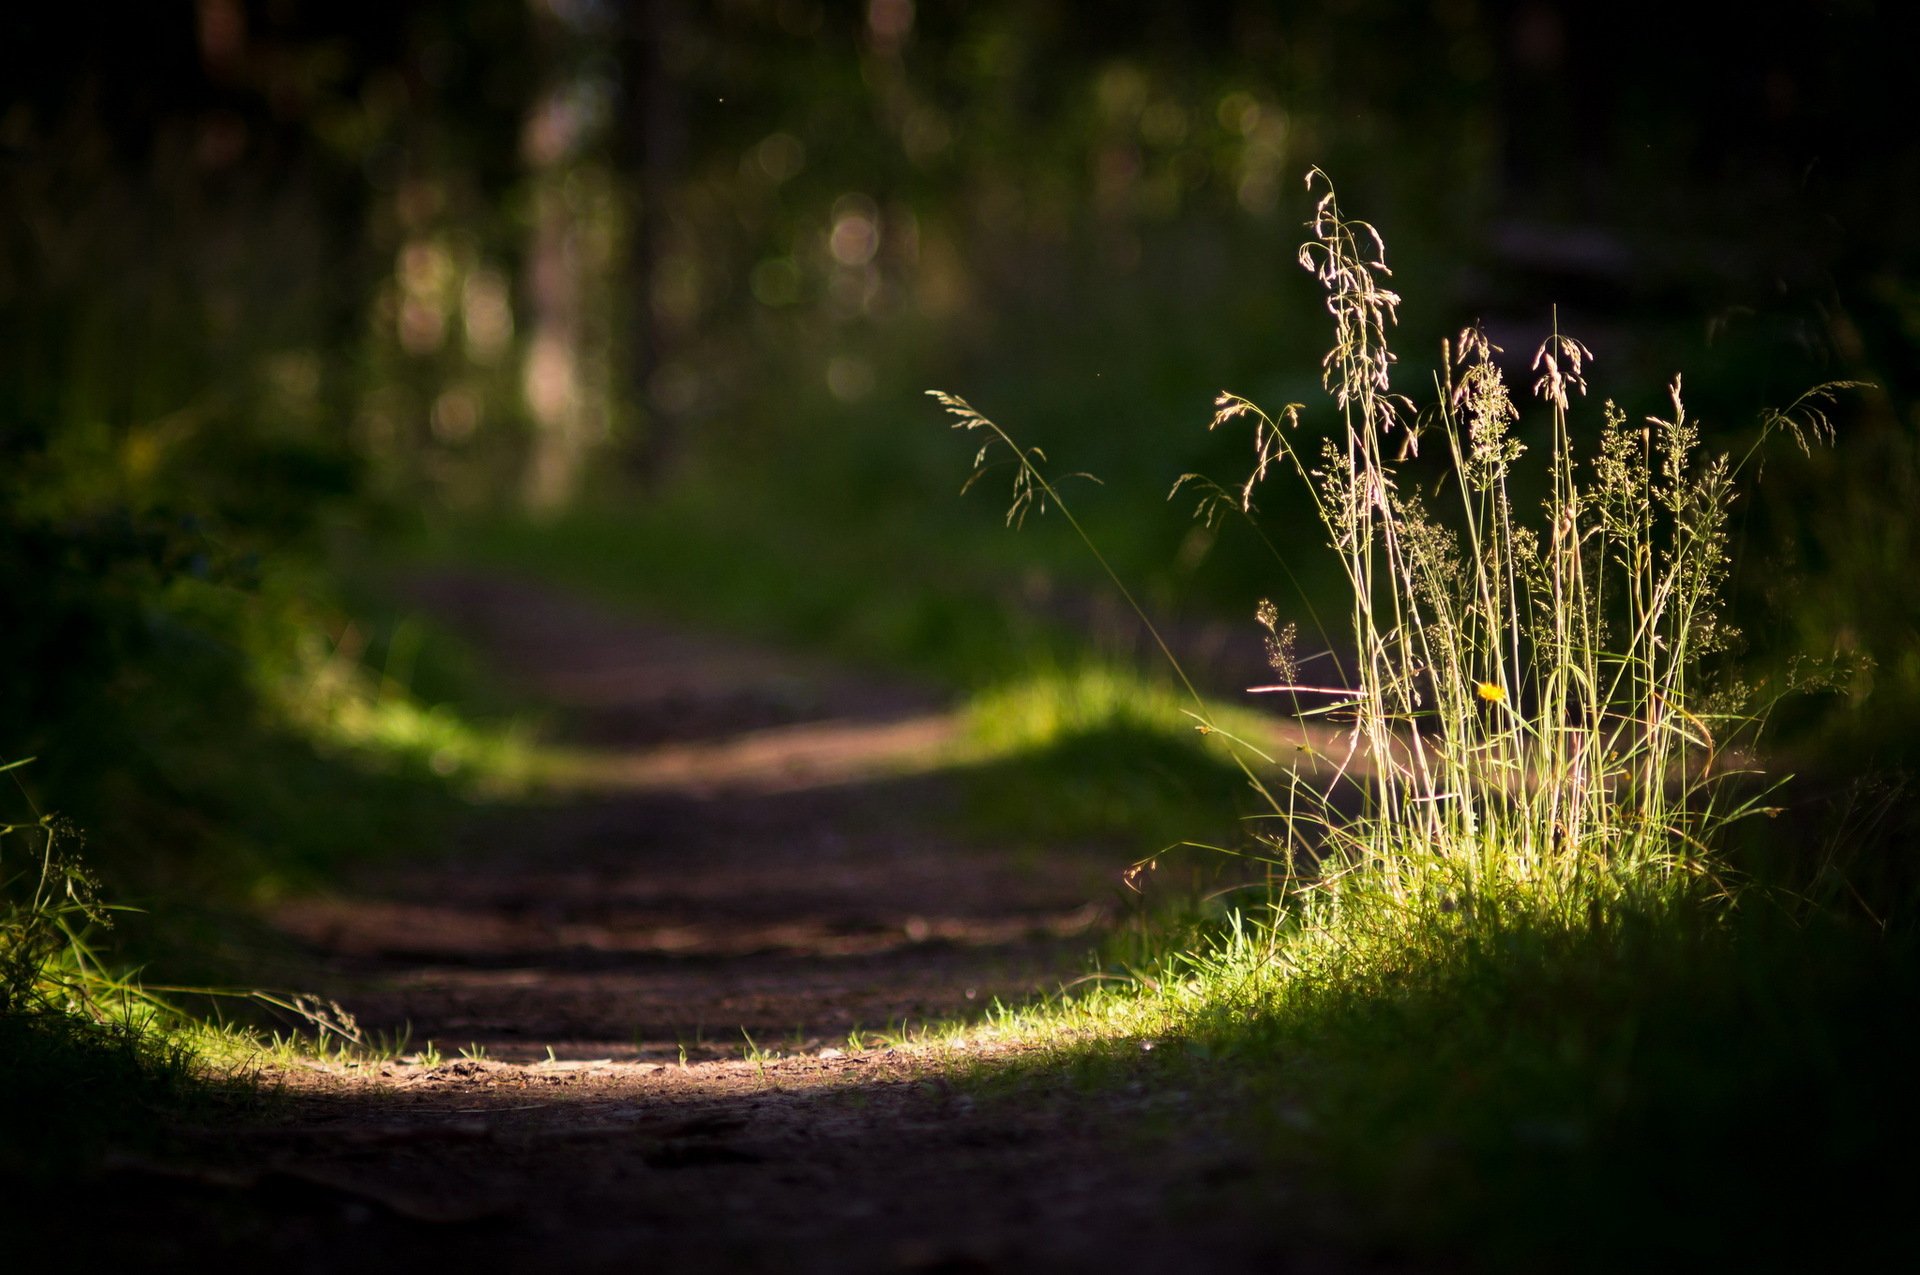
x=779 y=759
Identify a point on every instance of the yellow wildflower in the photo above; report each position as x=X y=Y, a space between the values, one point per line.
x=1489 y=692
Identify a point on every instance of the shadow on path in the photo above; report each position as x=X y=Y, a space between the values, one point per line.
x=762 y=843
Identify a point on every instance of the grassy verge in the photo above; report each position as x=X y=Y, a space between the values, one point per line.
x=1103 y=753
x=1708 y=1085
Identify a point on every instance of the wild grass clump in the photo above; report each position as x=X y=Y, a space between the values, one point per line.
x=49 y=903
x=1531 y=732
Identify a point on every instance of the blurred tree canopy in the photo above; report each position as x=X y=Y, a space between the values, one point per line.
x=469 y=243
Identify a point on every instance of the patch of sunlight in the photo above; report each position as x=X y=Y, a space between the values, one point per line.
x=326 y=693
x=1056 y=706
x=791 y=758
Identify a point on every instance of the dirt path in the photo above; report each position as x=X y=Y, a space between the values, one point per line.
x=758 y=853
x=762 y=845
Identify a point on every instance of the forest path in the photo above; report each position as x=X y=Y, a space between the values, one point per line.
x=763 y=846
x=748 y=844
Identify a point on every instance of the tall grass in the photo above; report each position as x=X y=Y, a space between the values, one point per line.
x=1531 y=729
x=1505 y=986
x=1530 y=732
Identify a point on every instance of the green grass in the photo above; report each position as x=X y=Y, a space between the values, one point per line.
x=326 y=689
x=73 y=1087
x=1702 y=1085
x=257 y=739
x=1101 y=752
x=1513 y=999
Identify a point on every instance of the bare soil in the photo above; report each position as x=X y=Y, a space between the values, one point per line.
x=757 y=847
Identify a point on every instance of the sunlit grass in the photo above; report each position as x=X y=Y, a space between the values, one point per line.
x=1102 y=751
x=1050 y=706
x=90 y=1055
x=1468 y=987
x=323 y=690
